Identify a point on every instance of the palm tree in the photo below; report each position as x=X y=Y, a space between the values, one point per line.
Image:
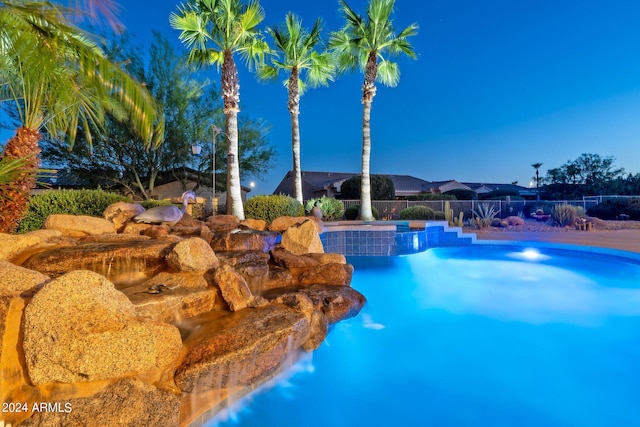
x=58 y=80
x=368 y=44
x=536 y=166
x=305 y=67
x=214 y=31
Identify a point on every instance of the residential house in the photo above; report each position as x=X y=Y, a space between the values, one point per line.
x=318 y=184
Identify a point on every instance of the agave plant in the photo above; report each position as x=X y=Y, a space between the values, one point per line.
x=484 y=214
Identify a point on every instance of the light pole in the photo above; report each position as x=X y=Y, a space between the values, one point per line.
x=215 y=131
x=196 y=149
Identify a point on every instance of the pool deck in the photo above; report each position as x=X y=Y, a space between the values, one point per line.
x=626 y=240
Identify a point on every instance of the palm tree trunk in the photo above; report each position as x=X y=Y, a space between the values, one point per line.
x=366 y=213
x=14 y=196
x=234 y=191
x=231 y=98
x=294 y=111
x=368 y=92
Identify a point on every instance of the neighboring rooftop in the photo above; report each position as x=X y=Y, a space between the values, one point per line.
x=318 y=184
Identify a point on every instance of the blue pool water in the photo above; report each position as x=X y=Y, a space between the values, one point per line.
x=473 y=336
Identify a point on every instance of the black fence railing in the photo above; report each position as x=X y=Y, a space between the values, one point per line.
x=390 y=209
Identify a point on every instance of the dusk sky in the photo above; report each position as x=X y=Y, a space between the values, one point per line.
x=498 y=85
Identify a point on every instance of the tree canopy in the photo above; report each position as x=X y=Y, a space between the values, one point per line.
x=191 y=106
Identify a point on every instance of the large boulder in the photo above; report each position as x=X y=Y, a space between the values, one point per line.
x=222 y=223
x=283 y=223
x=79 y=328
x=171 y=297
x=78 y=225
x=318 y=324
x=13 y=245
x=5 y=303
x=14 y=278
x=233 y=288
x=111 y=259
x=120 y=213
x=127 y=402
x=284 y=258
x=302 y=239
x=277 y=278
x=255 y=224
x=193 y=254
x=246 y=240
x=335 y=302
x=241 y=348
x=328 y=274
x=135 y=228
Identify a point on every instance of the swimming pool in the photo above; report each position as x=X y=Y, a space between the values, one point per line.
x=474 y=336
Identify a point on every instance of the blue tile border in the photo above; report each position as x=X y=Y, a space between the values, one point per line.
x=390 y=237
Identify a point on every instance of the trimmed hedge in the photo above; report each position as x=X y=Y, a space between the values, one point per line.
x=332 y=209
x=73 y=202
x=271 y=207
x=418 y=212
x=352 y=212
x=432 y=196
x=382 y=188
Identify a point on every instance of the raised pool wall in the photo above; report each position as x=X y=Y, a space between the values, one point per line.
x=385 y=238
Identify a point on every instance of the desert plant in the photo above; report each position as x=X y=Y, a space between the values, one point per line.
x=563 y=215
x=332 y=209
x=452 y=220
x=439 y=215
x=352 y=212
x=273 y=206
x=484 y=215
x=73 y=202
x=417 y=212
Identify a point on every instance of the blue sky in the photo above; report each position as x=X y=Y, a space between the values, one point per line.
x=498 y=85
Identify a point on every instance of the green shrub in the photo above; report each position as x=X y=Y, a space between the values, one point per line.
x=148 y=204
x=417 y=212
x=271 y=207
x=73 y=202
x=332 y=209
x=563 y=215
x=432 y=196
x=382 y=188
x=611 y=208
x=439 y=215
x=501 y=195
x=461 y=194
x=352 y=212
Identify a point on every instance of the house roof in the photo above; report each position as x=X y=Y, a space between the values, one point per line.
x=507 y=187
x=316 y=183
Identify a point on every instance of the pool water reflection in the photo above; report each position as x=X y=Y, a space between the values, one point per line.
x=474 y=336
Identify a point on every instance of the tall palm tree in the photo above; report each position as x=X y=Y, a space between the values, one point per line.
x=58 y=80
x=368 y=43
x=305 y=67
x=214 y=31
x=536 y=166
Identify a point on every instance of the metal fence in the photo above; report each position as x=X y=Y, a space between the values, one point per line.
x=390 y=209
